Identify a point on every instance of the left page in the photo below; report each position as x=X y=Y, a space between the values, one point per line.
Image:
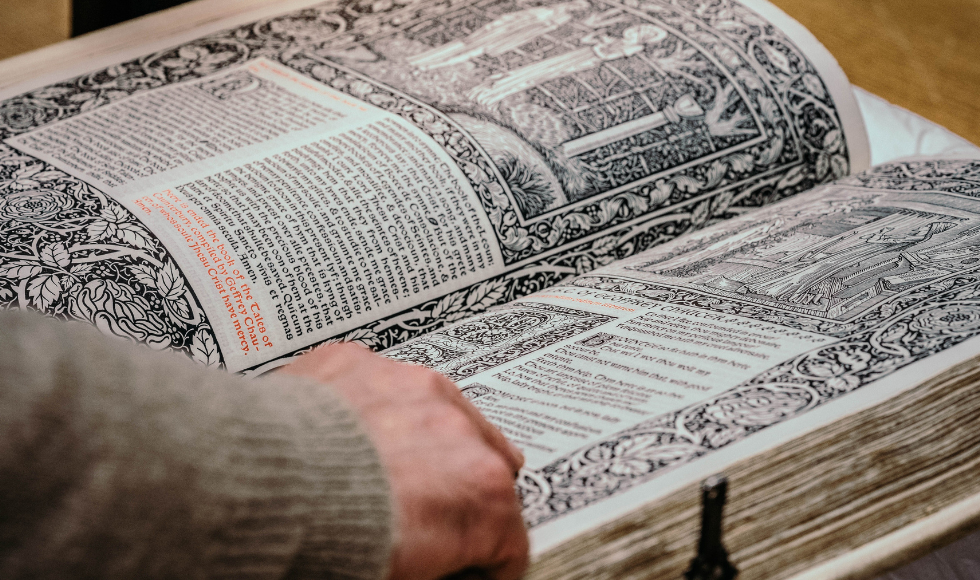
x=289 y=211
x=371 y=171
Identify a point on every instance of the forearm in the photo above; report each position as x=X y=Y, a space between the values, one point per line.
x=118 y=462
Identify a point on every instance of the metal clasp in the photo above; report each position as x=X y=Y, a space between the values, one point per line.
x=712 y=563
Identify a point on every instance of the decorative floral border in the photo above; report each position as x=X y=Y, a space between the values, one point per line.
x=686 y=297
x=69 y=251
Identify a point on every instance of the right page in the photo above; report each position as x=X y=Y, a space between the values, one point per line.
x=656 y=371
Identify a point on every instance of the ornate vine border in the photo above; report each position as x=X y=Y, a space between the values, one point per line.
x=892 y=336
x=71 y=252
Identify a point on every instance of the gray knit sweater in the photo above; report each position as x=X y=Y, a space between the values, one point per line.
x=117 y=462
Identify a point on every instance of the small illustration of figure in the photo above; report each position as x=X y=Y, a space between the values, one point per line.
x=503 y=34
x=598 y=50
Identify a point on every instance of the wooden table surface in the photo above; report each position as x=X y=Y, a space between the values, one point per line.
x=29 y=24
x=923 y=55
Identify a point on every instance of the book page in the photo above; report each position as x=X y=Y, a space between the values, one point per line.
x=625 y=383
x=369 y=174
x=294 y=211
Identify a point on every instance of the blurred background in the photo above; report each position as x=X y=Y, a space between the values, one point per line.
x=921 y=54
x=29 y=24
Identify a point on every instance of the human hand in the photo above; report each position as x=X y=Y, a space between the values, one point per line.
x=451 y=472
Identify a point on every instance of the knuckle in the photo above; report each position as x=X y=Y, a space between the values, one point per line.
x=456 y=420
x=495 y=478
x=456 y=423
x=427 y=381
x=521 y=560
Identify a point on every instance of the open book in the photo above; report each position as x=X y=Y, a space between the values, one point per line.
x=565 y=207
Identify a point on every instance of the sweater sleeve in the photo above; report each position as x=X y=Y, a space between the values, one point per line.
x=118 y=462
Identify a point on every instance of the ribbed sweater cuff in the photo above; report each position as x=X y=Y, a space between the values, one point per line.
x=123 y=463
x=349 y=532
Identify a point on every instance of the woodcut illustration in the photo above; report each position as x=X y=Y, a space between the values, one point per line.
x=601 y=95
